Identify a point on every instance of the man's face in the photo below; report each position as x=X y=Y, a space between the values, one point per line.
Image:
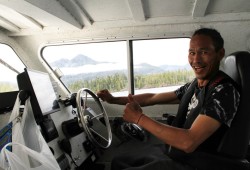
x=203 y=58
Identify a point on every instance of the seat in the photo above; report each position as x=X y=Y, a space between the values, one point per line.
x=237 y=67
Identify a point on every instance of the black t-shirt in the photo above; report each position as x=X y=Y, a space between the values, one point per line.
x=220 y=103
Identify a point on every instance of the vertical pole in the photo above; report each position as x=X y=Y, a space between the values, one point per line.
x=130 y=67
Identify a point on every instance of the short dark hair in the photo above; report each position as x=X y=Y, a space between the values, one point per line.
x=213 y=34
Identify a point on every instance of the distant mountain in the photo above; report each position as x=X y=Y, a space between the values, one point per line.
x=145 y=68
x=79 y=60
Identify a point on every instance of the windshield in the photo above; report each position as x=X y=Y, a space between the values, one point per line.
x=158 y=65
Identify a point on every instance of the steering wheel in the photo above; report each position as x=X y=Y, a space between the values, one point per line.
x=94 y=120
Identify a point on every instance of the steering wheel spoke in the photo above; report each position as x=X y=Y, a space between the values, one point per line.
x=94 y=115
x=99 y=135
x=90 y=119
x=97 y=116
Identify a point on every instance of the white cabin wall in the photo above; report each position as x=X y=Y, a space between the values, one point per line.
x=30 y=45
x=236 y=36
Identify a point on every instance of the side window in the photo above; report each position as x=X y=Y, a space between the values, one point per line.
x=161 y=65
x=10 y=67
x=94 y=65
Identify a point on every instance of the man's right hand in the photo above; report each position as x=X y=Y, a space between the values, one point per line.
x=105 y=95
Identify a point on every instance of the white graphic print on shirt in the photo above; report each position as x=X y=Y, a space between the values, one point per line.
x=193 y=103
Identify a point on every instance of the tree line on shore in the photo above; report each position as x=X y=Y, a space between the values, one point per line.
x=119 y=82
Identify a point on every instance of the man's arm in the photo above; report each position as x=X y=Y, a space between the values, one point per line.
x=186 y=140
x=145 y=99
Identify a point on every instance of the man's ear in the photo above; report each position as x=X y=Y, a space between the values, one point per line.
x=221 y=53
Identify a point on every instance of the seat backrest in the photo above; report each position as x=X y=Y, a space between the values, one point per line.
x=236 y=140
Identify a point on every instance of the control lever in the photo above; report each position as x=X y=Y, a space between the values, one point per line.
x=134 y=131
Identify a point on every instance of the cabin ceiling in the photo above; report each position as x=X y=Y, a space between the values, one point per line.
x=27 y=17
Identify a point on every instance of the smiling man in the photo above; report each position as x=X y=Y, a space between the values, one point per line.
x=205 y=55
x=207 y=106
